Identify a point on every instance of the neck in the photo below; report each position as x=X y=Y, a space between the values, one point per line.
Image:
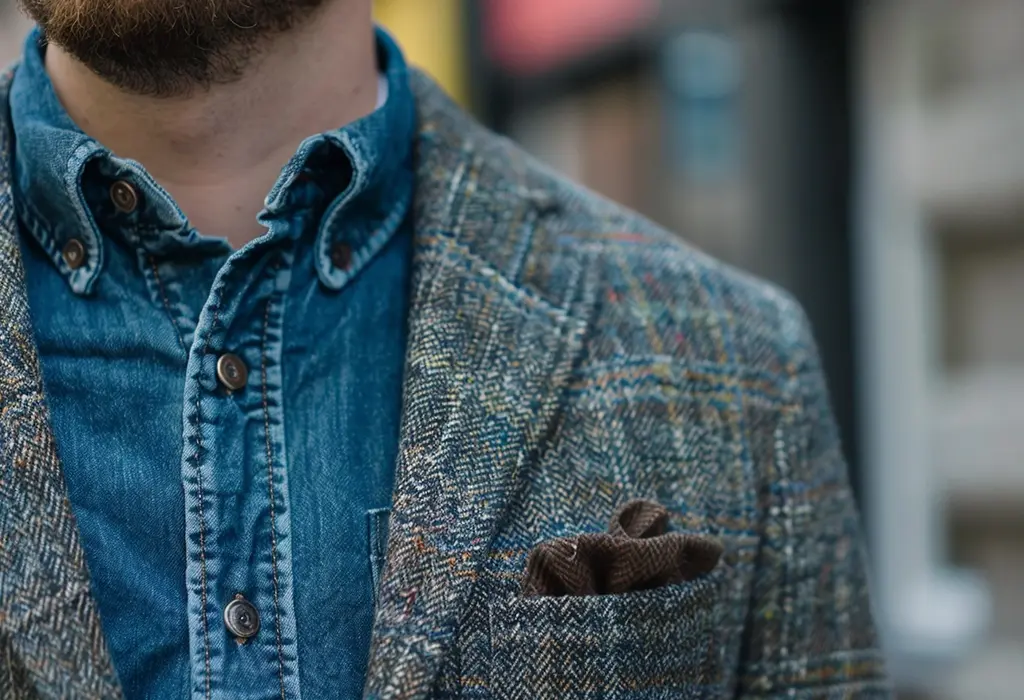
x=219 y=151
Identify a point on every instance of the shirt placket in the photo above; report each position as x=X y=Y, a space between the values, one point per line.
x=238 y=530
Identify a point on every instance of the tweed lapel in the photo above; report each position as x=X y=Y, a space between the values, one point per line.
x=486 y=362
x=50 y=637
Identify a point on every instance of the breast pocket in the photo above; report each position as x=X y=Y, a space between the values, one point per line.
x=658 y=643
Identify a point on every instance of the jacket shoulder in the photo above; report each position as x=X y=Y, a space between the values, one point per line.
x=654 y=295
x=649 y=293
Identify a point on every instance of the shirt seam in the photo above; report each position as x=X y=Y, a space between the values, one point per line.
x=270 y=487
x=204 y=597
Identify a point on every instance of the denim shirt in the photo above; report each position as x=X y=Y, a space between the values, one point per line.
x=227 y=419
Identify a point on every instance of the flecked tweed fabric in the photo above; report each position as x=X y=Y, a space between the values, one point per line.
x=565 y=356
x=51 y=645
x=636 y=554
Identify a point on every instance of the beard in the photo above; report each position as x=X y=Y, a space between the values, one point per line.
x=166 y=48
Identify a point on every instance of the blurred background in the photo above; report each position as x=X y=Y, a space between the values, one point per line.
x=866 y=155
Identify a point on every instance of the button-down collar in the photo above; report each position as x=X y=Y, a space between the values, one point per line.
x=66 y=182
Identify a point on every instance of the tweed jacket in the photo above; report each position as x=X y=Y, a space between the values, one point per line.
x=565 y=356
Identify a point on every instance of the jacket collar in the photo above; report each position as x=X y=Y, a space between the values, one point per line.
x=487 y=360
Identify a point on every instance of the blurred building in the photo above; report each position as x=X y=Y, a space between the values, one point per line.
x=868 y=156
x=941 y=277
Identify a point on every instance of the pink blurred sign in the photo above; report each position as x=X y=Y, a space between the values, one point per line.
x=531 y=36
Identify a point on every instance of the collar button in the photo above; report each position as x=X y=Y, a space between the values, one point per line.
x=124 y=196
x=73 y=253
x=341 y=255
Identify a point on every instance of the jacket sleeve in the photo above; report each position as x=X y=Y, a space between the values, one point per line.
x=809 y=633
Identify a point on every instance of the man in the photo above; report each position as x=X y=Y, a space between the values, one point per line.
x=299 y=365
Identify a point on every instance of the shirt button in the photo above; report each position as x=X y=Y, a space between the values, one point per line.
x=73 y=253
x=241 y=618
x=124 y=196
x=232 y=372
x=341 y=255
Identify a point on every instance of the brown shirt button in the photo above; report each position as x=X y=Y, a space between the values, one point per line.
x=124 y=196
x=241 y=618
x=341 y=255
x=73 y=253
x=232 y=372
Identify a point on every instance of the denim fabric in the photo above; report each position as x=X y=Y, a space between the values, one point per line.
x=564 y=357
x=185 y=493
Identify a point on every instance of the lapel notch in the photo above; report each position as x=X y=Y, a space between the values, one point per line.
x=486 y=365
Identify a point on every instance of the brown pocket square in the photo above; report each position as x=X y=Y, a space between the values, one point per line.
x=636 y=553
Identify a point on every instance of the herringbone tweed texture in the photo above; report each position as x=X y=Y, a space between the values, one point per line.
x=565 y=357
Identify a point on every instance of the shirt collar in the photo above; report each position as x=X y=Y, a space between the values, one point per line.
x=62 y=178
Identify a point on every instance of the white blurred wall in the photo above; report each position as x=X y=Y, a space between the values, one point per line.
x=12 y=29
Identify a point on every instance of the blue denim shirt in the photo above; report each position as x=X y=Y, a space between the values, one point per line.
x=188 y=493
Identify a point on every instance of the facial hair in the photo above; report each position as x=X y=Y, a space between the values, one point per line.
x=166 y=48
